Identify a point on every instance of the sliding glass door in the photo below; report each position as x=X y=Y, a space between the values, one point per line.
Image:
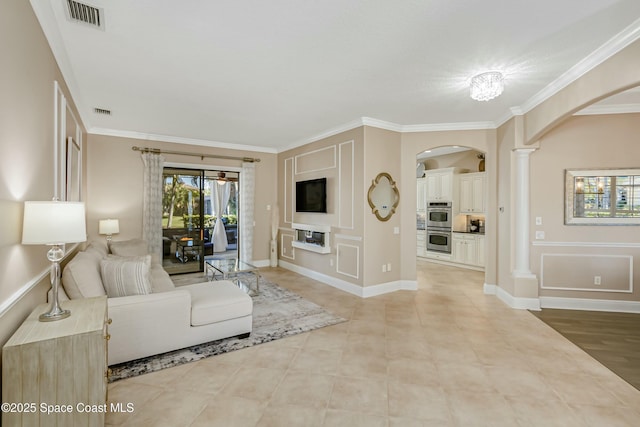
x=199 y=218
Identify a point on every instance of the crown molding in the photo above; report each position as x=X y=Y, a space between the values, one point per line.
x=595 y=58
x=179 y=140
x=438 y=127
x=609 y=109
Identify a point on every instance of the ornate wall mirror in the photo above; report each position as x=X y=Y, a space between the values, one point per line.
x=602 y=197
x=383 y=196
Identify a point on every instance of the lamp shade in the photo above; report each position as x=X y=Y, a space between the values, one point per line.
x=109 y=226
x=53 y=223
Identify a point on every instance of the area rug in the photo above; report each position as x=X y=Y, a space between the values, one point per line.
x=277 y=313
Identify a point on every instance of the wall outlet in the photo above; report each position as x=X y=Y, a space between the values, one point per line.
x=388 y=266
x=597 y=280
x=384 y=268
x=540 y=235
x=396 y=230
x=331 y=262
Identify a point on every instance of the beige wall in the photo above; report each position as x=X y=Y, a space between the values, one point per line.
x=339 y=158
x=506 y=143
x=381 y=244
x=27 y=80
x=583 y=142
x=114 y=184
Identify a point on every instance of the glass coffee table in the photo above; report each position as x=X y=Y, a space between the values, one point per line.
x=231 y=268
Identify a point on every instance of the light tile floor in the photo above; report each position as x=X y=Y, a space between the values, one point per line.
x=446 y=355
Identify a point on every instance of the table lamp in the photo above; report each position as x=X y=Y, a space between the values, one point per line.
x=108 y=227
x=54 y=223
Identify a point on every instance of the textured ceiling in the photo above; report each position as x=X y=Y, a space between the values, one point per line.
x=273 y=74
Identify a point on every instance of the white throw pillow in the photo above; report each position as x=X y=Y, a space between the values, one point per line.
x=133 y=247
x=126 y=276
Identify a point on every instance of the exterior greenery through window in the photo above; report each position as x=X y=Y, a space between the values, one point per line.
x=603 y=197
x=181 y=201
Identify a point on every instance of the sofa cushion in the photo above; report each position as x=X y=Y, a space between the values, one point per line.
x=160 y=279
x=98 y=247
x=123 y=276
x=133 y=247
x=81 y=277
x=217 y=301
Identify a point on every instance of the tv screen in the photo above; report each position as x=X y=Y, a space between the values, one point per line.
x=311 y=196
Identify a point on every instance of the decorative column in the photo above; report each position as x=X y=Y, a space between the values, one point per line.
x=525 y=283
x=521 y=212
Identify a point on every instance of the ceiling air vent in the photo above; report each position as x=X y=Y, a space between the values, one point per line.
x=86 y=14
x=102 y=111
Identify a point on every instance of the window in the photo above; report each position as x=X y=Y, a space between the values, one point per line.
x=602 y=197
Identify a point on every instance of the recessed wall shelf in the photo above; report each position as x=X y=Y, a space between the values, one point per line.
x=314 y=238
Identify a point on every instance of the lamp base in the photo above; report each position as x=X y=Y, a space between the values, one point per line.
x=54 y=315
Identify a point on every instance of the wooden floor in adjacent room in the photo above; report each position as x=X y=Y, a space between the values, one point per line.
x=613 y=339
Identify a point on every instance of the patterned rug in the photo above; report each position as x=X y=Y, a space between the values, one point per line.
x=277 y=313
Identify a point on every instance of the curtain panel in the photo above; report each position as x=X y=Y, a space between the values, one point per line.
x=152 y=203
x=247 y=190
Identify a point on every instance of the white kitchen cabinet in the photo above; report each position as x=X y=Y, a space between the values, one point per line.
x=468 y=249
x=480 y=251
x=421 y=243
x=440 y=186
x=472 y=192
x=421 y=195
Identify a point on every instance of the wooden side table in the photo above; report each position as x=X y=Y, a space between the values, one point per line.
x=55 y=373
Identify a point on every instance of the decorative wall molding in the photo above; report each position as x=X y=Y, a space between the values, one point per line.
x=297 y=170
x=348 y=237
x=590 y=304
x=341 y=247
x=288 y=190
x=585 y=244
x=345 y=178
x=284 y=245
x=593 y=289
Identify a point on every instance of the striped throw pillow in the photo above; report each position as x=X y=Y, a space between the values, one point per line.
x=123 y=277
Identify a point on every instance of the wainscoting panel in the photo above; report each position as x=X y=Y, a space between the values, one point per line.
x=288 y=190
x=345 y=186
x=286 y=248
x=579 y=272
x=348 y=260
x=317 y=160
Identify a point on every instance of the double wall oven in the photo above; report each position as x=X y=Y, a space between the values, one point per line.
x=439 y=224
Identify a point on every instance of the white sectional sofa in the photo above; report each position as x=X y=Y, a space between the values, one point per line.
x=153 y=316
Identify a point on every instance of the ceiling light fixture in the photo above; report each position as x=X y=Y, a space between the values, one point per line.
x=487 y=86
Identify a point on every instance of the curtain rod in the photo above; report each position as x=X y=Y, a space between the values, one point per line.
x=201 y=155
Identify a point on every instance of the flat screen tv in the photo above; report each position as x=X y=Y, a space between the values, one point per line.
x=311 y=196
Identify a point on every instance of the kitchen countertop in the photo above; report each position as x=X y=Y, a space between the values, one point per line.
x=469 y=232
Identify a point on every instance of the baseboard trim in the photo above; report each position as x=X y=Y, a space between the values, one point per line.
x=489 y=289
x=590 y=304
x=514 y=302
x=362 y=292
x=261 y=263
